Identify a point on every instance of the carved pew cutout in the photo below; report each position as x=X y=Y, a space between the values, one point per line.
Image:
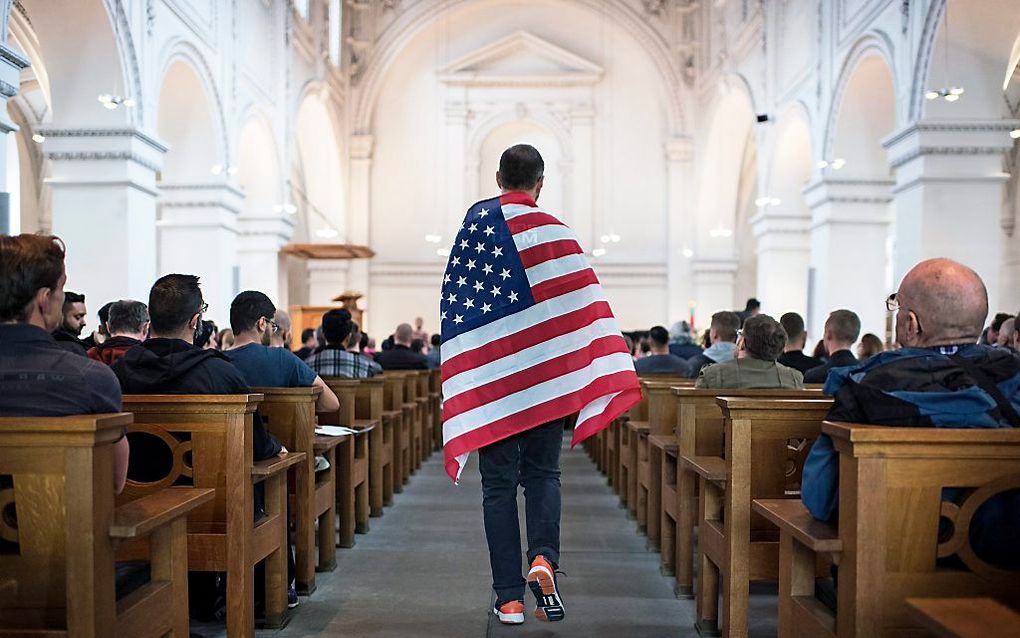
x=59 y=531
x=887 y=543
x=734 y=545
x=699 y=432
x=289 y=414
x=222 y=535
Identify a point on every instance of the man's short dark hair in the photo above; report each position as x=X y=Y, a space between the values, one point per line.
x=1000 y=318
x=127 y=315
x=764 y=337
x=173 y=301
x=247 y=308
x=104 y=312
x=27 y=263
x=336 y=326
x=793 y=324
x=436 y=339
x=752 y=304
x=72 y=298
x=520 y=167
x=845 y=325
x=659 y=336
x=307 y=334
x=726 y=324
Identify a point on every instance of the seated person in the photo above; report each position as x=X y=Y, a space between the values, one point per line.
x=333 y=359
x=841 y=331
x=265 y=366
x=869 y=346
x=169 y=363
x=308 y=344
x=401 y=356
x=659 y=359
x=38 y=378
x=681 y=342
x=939 y=378
x=72 y=322
x=796 y=337
x=101 y=333
x=128 y=325
x=434 y=359
x=280 y=336
x=722 y=337
x=760 y=344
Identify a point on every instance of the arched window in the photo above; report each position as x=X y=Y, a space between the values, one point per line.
x=336 y=31
x=301 y=6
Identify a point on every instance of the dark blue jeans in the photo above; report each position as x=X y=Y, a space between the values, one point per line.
x=530 y=459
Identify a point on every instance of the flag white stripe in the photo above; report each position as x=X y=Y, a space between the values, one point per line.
x=554 y=268
x=516 y=210
x=595 y=408
x=535 y=395
x=512 y=324
x=541 y=235
x=524 y=359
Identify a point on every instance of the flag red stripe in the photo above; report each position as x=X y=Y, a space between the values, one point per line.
x=531 y=336
x=543 y=413
x=516 y=197
x=617 y=406
x=551 y=250
x=545 y=371
x=530 y=221
x=563 y=284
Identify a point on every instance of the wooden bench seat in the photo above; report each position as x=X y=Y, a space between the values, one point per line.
x=656 y=392
x=57 y=557
x=215 y=433
x=888 y=547
x=710 y=468
x=965 y=617
x=289 y=415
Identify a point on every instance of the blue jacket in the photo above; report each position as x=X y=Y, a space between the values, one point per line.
x=921 y=387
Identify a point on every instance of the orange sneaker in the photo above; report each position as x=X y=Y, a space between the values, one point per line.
x=542 y=581
x=511 y=613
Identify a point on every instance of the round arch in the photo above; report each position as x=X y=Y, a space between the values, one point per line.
x=179 y=52
x=186 y=120
x=316 y=173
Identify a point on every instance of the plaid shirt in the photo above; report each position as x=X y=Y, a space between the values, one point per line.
x=332 y=362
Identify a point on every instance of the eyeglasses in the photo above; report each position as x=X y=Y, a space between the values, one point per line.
x=892 y=304
x=276 y=326
x=201 y=311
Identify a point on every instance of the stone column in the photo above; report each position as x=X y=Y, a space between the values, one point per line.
x=102 y=185
x=784 y=258
x=948 y=193
x=457 y=198
x=198 y=235
x=580 y=200
x=11 y=64
x=258 y=255
x=714 y=280
x=678 y=265
x=849 y=229
x=360 y=220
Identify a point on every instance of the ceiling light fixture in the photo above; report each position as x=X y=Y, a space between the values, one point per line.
x=38 y=139
x=443 y=252
x=720 y=231
x=687 y=252
x=433 y=238
x=834 y=164
x=113 y=101
x=1015 y=133
x=598 y=252
x=948 y=92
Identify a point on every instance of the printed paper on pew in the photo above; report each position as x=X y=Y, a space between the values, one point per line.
x=334 y=430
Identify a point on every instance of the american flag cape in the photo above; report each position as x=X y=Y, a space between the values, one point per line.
x=528 y=336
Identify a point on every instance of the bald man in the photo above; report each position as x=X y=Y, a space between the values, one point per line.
x=401 y=356
x=284 y=332
x=942 y=378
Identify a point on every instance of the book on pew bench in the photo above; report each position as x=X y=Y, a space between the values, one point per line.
x=334 y=430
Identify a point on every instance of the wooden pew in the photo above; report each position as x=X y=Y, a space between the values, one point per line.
x=886 y=542
x=651 y=443
x=394 y=406
x=765 y=441
x=965 y=617
x=222 y=534
x=354 y=456
x=369 y=409
x=57 y=555
x=422 y=397
x=436 y=397
x=699 y=432
x=626 y=453
x=416 y=404
x=289 y=414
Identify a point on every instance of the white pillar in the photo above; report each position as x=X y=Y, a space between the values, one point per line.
x=102 y=185
x=456 y=199
x=580 y=200
x=11 y=64
x=258 y=255
x=784 y=257
x=949 y=185
x=680 y=215
x=714 y=280
x=849 y=227
x=360 y=218
x=198 y=236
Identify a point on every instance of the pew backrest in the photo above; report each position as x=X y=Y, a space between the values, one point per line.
x=289 y=414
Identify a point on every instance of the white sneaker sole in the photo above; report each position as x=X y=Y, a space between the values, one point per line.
x=509 y=619
x=543 y=585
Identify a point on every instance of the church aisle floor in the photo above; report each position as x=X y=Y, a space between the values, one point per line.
x=423 y=570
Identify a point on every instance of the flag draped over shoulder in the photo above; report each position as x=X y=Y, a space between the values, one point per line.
x=528 y=336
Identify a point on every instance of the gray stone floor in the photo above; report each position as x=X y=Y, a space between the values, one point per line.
x=423 y=571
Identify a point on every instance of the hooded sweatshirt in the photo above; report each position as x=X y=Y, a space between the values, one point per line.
x=112 y=349
x=719 y=352
x=174 y=366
